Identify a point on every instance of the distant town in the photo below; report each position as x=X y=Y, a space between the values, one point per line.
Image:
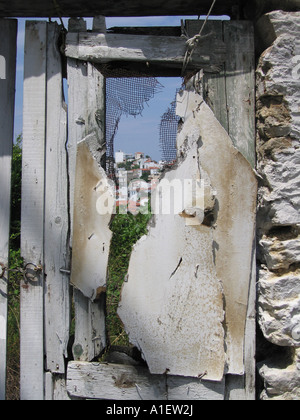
x=138 y=175
x=137 y=166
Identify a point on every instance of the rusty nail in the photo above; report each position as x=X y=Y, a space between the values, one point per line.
x=201 y=376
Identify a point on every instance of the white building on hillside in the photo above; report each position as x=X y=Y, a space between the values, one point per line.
x=119 y=157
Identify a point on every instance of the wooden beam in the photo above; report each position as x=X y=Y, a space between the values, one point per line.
x=114 y=382
x=125 y=382
x=157 y=50
x=8 y=35
x=123 y=8
x=91 y=8
x=57 y=255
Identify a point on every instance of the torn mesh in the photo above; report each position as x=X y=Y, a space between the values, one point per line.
x=168 y=132
x=125 y=96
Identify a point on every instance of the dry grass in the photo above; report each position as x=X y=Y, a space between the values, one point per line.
x=13 y=382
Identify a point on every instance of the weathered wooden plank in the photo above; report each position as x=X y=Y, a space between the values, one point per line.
x=8 y=35
x=56 y=246
x=214 y=85
x=243 y=388
x=77 y=100
x=32 y=231
x=90 y=333
x=124 y=382
x=85 y=98
x=46 y=8
x=114 y=382
x=48 y=386
x=158 y=50
x=240 y=86
x=240 y=100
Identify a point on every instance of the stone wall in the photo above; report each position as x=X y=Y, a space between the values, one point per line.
x=278 y=134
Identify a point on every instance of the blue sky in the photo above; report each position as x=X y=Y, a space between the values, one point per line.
x=134 y=134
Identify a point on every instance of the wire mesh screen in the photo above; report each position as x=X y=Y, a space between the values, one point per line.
x=168 y=132
x=125 y=96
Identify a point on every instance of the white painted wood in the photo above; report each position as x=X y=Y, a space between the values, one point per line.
x=114 y=382
x=8 y=36
x=48 y=386
x=90 y=335
x=163 y=50
x=55 y=387
x=192 y=389
x=124 y=382
x=56 y=246
x=86 y=97
x=214 y=85
x=32 y=232
x=77 y=117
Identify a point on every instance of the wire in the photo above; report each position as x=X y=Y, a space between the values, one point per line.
x=193 y=42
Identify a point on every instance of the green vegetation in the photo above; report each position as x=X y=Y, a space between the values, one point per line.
x=127 y=230
x=145 y=176
x=15 y=261
x=128 y=165
x=16 y=179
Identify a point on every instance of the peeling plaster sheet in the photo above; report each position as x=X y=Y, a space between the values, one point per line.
x=235 y=185
x=172 y=304
x=91 y=234
x=181 y=278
